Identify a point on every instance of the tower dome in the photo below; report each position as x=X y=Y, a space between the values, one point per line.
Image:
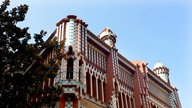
x=108 y=37
x=159 y=65
x=162 y=71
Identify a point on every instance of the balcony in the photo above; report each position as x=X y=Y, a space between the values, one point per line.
x=77 y=79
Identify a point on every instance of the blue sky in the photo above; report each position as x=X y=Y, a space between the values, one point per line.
x=148 y=30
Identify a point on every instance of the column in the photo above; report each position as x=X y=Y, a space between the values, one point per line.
x=80 y=92
x=149 y=104
x=49 y=81
x=43 y=85
x=62 y=31
x=91 y=85
x=130 y=102
x=134 y=103
x=102 y=90
x=126 y=101
x=122 y=100
x=97 y=95
x=117 y=103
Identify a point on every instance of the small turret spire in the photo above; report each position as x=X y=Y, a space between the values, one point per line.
x=108 y=37
x=162 y=71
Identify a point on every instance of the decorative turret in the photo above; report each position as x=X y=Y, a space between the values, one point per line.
x=162 y=71
x=72 y=74
x=108 y=37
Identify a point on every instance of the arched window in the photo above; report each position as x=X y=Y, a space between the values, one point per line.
x=70 y=61
x=80 y=64
x=70 y=68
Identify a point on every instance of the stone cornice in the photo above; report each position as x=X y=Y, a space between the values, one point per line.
x=72 y=17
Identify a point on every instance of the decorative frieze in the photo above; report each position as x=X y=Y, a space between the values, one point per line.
x=125 y=76
x=155 y=102
x=97 y=57
x=125 y=89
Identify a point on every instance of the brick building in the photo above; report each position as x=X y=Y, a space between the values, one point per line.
x=94 y=75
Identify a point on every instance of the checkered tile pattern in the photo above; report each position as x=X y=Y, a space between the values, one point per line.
x=69 y=104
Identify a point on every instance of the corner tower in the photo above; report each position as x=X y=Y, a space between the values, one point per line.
x=108 y=37
x=72 y=31
x=162 y=71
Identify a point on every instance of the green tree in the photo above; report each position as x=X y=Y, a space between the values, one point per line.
x=17 y=82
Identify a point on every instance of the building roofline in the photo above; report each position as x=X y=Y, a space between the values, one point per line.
x=97 y=41
x=160 y=81
x=126 y=62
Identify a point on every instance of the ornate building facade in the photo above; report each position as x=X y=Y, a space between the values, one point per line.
x=95 y=75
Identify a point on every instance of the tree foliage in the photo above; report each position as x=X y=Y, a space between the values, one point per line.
x=17 y=83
